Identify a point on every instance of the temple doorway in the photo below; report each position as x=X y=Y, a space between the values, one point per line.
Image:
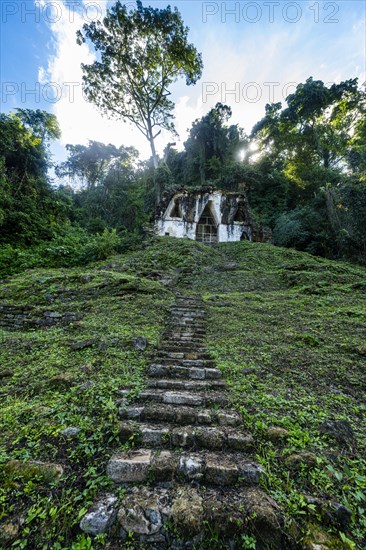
x=206 y=228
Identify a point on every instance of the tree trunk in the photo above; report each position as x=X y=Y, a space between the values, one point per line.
x=155 y=162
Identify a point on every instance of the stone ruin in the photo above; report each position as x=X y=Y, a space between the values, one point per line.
x=205 y=215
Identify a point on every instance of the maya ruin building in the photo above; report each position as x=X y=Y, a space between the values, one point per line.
x=206 y=215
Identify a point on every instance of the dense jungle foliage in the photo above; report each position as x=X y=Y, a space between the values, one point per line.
x=303 y=167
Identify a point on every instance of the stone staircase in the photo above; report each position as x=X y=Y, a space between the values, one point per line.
x=190 y=477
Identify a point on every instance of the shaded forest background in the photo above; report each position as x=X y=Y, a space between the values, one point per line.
x=303 y=168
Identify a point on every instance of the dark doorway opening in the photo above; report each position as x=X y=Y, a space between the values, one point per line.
x=206 y=228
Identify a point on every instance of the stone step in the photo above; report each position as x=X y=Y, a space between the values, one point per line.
x=209 y=468
x=186 y=385
x=180 y=415
x=191 y=437
x=193 y=475
x=182 y=516
x=191 y=321
x=194 y=370
x=185 y=331
x=189 y=312
x=186 y=327
x=188 y=308
x=194 y=311
x=180 y=320
x=163 y=360
x=199 y=330
x=182 y=334
x=175 y=337
x=183 y=347
x=177 y=355
x=201 y=399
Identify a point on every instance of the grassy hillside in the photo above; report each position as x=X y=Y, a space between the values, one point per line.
x=287 y=329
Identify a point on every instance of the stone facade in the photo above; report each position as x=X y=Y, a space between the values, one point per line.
x=207 y=216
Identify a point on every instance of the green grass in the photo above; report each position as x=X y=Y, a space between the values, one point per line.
x=293 y=354
x=286 y=328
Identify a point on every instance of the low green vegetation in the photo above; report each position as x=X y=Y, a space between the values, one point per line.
x=291 y=345
x=286 y=328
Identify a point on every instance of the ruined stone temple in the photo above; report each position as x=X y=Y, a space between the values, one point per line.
x=206 y=215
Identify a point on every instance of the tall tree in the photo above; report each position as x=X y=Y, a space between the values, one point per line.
x=89 y=164
x=211 y=144
x=142 y=52
x=110 y=195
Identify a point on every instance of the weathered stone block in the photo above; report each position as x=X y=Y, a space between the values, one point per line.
x=204 y=417
x=163 y=413
x=158 y=370
x=151 y=435
x=129 y=466
x=100 y=518
x=213 y=374
x=210 y=438
x=176 y=398
x=163 y=466
x=240 y=442
x=228 y=419
x=131 y=413
x=185 y=415
x=197 y=374
x=140 y=514
x=191 y=467
x=70 y=432
x=187 y=512
x=250 y=472
x=220 y=471
x=183 y=437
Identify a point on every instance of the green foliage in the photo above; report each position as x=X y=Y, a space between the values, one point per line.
x=311 y=142
x=303 y=228
x=112 y=196
x=210 y=147
x=284 y=330
x=73 y=247
x=298 y=186
x=90 y=164
x=29 y=209
x=346 y=207
x=42 y=124
x=316 y=127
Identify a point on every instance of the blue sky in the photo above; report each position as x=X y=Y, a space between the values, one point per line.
x=254 y=52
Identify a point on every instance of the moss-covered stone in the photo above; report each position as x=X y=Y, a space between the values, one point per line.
x=297 y=461
x=187 y=512
x=47 y=471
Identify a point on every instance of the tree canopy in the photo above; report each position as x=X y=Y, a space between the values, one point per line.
x=141 y=53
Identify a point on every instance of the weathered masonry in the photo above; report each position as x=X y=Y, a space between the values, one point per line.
x=208 y=217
